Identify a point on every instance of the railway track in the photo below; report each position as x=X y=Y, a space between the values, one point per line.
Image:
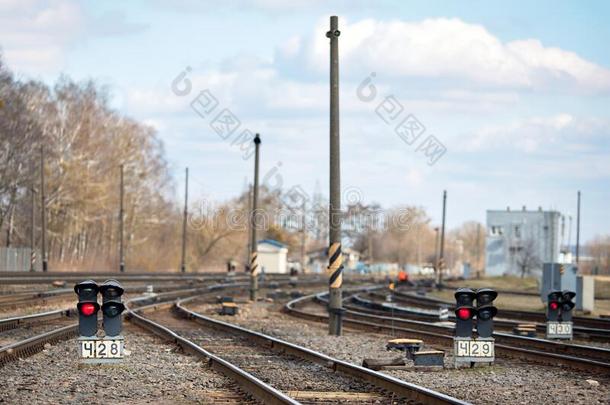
x=584 y=351
x=432 y=314
x=35 y=344
x=591 y=326
x=277 y=360
x=31 y=345
x=528 y=349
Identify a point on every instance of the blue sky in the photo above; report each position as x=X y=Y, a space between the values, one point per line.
x=517 y=92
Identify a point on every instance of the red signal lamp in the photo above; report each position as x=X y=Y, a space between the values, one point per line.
x=554 y=305
x=464 y=313
x=88 y=308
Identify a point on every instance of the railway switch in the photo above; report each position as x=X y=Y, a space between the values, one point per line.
x=112 y=307
x=486 y=311
x=464 y=312
x=87 y=307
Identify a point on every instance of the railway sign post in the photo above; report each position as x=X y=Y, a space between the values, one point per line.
x=92 y=348
x=466 y=348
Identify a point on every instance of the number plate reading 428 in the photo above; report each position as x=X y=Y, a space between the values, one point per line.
x=475 y=349
x=101 y=349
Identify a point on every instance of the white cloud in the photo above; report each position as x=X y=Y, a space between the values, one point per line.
x=452 y=49
x=563 y=132
x=34 y=34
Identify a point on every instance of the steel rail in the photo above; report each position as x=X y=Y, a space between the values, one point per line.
x=591 y=352
x=438 y=334
x=252 y=385
x=32 y=345
x=35 y=344
x=585 y=324
x=382 y=381
x=16 y=321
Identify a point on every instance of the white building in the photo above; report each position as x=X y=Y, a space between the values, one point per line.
x=272 y=256
x=517 y=237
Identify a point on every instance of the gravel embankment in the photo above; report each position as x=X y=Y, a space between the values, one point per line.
x=506 y=382
x=152 y=373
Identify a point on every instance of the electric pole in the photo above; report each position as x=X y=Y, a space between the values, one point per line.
x=442 y=247
x=335 y=256
x=186 y=197
x=121 y=213
x=254 y=269
x=33 y=230
x=43 y=244
x=577 y=226
x=303 y=237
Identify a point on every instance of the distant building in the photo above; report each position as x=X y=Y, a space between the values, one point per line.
x=272 y=256
x=518 y=238
x=318 y=259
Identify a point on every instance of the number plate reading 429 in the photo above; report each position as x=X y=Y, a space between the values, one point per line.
x=474 y=350
x=98 y=349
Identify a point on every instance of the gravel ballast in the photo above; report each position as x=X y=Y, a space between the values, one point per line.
x=153 y=372
x=506 y=382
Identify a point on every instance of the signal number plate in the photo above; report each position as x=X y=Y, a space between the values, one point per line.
x=559 y=329
x=474 y=348
x=101 y=349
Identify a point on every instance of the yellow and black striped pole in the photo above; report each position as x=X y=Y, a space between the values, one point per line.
x=254 y=268
x=335 y=257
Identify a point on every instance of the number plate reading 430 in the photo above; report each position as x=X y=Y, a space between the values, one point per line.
x=559 y=330
x=474 y=349
x=101 y=349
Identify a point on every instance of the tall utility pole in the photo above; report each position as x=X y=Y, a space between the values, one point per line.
x=303 y=237
x=335 y=257
x=33 y=230
x=436 y=243
x=577 y=226
x=442 y=247
x=249 y=247
x=478 y=248
x=186 y=199
x=43 y=219
x=254 y=269
x=121 y=212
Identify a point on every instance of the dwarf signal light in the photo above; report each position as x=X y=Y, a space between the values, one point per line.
x=112 y=307
x=486 y=311
x=553 y=306
x=87 y=307
x=464 y=311
x=567 y=305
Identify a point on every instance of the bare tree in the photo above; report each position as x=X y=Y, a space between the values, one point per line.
x=527 y=257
